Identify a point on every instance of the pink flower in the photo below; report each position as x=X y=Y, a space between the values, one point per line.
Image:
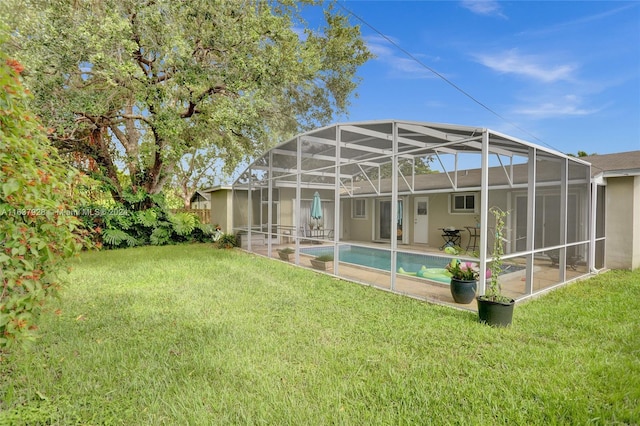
x=463 y=270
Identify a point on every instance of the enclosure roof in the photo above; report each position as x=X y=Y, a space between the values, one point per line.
x=368 y=145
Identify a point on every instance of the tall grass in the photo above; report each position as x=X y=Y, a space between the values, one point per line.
x=193 y=335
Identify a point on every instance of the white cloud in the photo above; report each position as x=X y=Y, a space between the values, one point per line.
x=534 y=66
x=400 y=64
x=380 y=46
x=484 y=7
x=568 y=105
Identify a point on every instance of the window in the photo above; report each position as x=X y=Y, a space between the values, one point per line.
x=463 y=203
x=359 y=208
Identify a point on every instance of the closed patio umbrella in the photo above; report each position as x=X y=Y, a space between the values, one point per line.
x=316 y=207
x=399 y=212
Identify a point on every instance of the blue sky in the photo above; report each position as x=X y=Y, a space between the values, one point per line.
x=565 y=75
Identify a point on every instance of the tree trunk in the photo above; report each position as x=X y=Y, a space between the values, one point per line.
x=103 y=158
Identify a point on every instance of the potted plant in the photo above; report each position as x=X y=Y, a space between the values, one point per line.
x=323 y=262
x=494 y=308
x=287 y=254
x=464 y=278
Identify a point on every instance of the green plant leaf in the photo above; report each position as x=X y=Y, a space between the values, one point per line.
x=148 y=218
x=9 y=187
x=183 y=223
x=115 y=237
x=160 y=236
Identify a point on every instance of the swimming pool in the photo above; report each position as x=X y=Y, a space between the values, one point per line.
x=380 y=259
x=407 y=263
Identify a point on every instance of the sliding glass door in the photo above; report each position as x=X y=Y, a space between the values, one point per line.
x=384 y=230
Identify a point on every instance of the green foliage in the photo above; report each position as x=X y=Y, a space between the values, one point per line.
x=148 y=218
x=227 y=241
x=494 y=292
x=183 y=223
x=151 y=84
x=130 y=224
x=325 y=258
x=160 y=236
x=581 y=154
x=42 y=412
x=117 y=237
x=38 y=227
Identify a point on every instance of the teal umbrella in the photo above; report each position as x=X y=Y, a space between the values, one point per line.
x=399 y=212
x=316 y=207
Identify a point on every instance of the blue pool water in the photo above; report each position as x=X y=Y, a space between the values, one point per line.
x=380 y=259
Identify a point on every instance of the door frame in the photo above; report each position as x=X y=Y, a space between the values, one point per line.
x=420 y=233
x=376 y=223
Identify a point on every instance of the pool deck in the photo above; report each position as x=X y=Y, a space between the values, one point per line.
x=513 y=285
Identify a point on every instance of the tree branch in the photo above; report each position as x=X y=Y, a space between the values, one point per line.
x=132 y=117
x=191 y=109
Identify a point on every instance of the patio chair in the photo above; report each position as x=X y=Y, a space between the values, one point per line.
x=304 y=233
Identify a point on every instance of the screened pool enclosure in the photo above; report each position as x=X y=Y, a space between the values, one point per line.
x=386 y=197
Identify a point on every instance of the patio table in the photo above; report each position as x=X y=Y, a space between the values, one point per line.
x=451 y=237
x=474 y=234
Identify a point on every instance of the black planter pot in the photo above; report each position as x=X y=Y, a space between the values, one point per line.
x=463 y=291
x=497 y=314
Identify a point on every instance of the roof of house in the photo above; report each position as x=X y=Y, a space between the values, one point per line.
x=216 y=188
x=618 y=163
x=470 y=179
x=202 y=194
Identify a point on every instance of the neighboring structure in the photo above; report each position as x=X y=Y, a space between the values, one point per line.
x=373 y=200
x=200 y=200
x=618 y=178
x=221 y=206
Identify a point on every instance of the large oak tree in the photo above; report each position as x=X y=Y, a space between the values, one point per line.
x=136 y=85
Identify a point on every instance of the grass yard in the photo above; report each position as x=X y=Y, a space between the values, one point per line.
x=194 y=335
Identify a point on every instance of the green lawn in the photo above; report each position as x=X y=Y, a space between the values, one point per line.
x=194 y=335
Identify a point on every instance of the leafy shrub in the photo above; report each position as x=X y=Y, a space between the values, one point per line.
x=38 y=226
x=227 y=241
x=143 y=219
x=116 y=237
x=183 y=223
x=160 y=236
x=325 y=258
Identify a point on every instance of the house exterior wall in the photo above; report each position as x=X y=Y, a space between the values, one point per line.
x=635 y=252
x=287 y=198
x=221 y=209
x=239 y=208
x=224 y=213
x=358 y=229
x=623 y=222
x=439 y=213
x=440 y=216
